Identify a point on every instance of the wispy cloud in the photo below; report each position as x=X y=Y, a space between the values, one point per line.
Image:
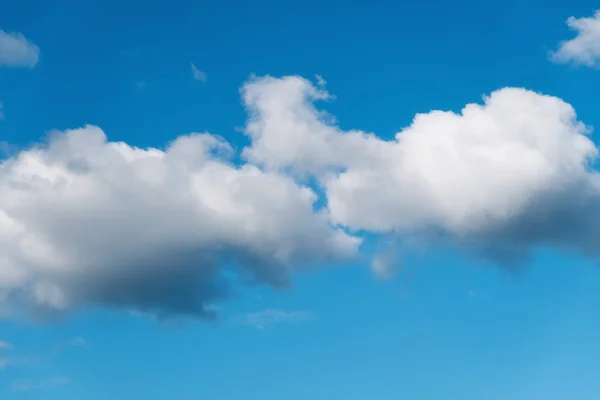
x=17 y=51
x=4 y=360
x=26 y=386
x=265 y=318
x=76 y=342
x=320 y=80
x=10 y=360
x=197 y=74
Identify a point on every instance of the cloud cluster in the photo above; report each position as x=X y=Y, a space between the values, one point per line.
x=584 y=48
x=17 y=51
x=498 y=177
x=86 y=221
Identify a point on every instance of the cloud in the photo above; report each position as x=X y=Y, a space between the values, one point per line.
x=26 y=386
x=1 y=111
x=263 y=319
x=197 y=74
x=166 y=232
x=584 y=49
x=498 y=178
x=320 y=80
x=85 y=221
x=17 y=51
x=4 y=360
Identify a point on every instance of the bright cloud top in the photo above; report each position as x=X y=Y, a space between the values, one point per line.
x=17 y=51
x=85 y=221
x=584 y=49
x=512 y=171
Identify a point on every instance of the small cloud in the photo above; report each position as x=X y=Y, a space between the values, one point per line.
x=263 y=319
x=17 y=51
x=1 y=111
x=386 y=263
x=6 y=361
x=584 y=48
x=320 y=81
x=472 y=293
x=197 y=74
x=26 y=386
x=3 y=360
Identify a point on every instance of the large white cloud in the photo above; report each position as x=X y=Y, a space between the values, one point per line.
x=584 y=48
x=500 y=176
x=85 y=221
x=17 y=51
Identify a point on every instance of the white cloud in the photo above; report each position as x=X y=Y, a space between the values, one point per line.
x=1 y=111
x=265 y=318
x=197 y=74
x=499 y=177
x=17 y=51
x=85 y=221
x=584 y=49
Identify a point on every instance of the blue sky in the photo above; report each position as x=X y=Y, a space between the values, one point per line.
x=113 y=289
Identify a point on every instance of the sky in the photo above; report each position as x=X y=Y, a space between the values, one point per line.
x=260 y=200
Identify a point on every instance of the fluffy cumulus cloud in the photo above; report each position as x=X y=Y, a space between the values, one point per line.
x=498 y=177
x=85 y=221
x=584 y=48
x=17 y=51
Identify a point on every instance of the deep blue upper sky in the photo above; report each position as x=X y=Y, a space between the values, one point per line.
x=448 y=327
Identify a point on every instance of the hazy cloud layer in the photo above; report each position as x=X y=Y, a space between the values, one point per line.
x=584 y=48
x=86 y=221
